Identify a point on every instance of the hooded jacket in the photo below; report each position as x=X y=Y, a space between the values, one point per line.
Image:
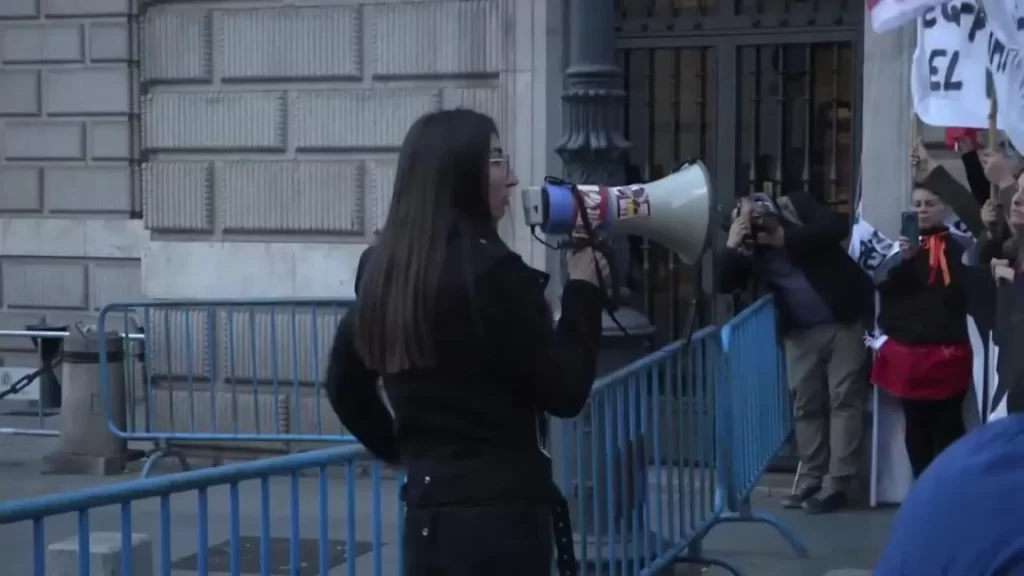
x=813 y=236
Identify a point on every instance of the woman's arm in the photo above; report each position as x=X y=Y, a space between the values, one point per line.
x=558 y=363
x=991 y=245
x=976 y=179
x=352 y=391
x=822 y=226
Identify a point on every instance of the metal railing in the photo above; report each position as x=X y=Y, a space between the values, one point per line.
x=226 y=375
x=672 y=445
x=666 y=449
x=215 y=520
x=756 y=415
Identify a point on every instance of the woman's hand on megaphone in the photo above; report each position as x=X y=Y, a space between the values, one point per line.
x=586 y=264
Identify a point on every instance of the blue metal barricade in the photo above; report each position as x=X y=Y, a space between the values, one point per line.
x=666 y=449
x=756 y=415
x=672 y=445
x=253 y=517
x=639 y=464
x=242 y=374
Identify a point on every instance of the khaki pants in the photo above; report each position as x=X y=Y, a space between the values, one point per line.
x=827 y=377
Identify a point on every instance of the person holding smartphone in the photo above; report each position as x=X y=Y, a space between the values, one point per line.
x=926 y=361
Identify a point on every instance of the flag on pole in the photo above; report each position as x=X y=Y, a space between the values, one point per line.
x=888 y=15
x=1006 y=63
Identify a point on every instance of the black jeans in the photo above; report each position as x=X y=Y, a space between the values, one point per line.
x=508 y=539
x=931 y=426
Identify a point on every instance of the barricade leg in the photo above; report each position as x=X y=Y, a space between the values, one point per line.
x=160 y=451
x=693 y=551
x=743 y=512
x=753 y=418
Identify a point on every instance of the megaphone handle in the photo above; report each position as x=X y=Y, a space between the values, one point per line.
x=590 y=238
x=610 y=286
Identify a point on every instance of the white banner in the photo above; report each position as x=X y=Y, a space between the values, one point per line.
x=958 y=45
x=1005 y=19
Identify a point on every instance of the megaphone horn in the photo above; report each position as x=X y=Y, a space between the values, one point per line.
x=675 y=211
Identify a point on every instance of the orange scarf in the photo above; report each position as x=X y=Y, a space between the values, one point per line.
x=936 y=246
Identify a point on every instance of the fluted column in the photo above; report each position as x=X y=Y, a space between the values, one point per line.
x=593 y=147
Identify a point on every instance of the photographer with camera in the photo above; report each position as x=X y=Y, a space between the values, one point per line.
x=825 y=300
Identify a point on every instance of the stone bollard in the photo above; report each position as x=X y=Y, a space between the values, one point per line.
x=104 y=555
x=86 y=444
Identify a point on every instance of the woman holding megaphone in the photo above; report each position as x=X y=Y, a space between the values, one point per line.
x=458 y=328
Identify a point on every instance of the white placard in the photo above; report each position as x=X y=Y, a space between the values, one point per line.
x=958 y=44
x=1005 y=23
x=871 y=249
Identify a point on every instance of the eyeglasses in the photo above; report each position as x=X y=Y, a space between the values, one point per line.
x=502 y=162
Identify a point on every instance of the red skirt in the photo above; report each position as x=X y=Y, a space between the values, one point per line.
x=924 y=372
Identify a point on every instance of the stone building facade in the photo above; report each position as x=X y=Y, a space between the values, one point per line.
x=156 y=149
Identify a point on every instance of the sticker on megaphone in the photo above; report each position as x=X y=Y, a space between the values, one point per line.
x=602 y=205
x=674 y=211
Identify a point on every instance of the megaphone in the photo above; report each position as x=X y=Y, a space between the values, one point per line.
x=675 y=211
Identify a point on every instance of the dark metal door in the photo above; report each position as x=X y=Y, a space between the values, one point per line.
x=765 y=93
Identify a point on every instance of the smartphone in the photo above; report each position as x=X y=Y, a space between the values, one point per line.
x=909 y=227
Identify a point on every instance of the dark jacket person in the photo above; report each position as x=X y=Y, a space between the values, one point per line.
x=824 y=299
x=810 y=274
x=457 y=326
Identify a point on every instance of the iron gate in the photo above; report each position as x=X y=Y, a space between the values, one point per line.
x=765 y=92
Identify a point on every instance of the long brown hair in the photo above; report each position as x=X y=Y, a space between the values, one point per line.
x=441 y=180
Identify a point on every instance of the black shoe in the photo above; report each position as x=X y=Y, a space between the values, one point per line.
x=797 y=499
x=825 y=503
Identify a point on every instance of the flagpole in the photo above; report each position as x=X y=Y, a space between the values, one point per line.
x=993 y=112
x=916 y=148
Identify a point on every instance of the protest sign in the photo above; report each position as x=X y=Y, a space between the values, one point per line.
x=968 y=51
